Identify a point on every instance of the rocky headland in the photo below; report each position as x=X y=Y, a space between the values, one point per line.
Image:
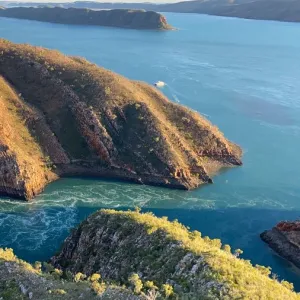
x=124 y=18
x=130 y=255
x=118 y=244
x=65 y=116
x=284 y=239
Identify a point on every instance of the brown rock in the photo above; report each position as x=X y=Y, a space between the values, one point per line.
x=284 y=239
x=71 y=117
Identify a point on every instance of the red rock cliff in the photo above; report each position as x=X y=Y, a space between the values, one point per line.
x=72 y=117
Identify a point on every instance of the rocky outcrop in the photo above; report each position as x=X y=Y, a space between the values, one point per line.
x=20 y=280
x=23 y=165
x=116 y=255
x=135 y=19
x=284 y=239
x=72 y=117
x=117 y=244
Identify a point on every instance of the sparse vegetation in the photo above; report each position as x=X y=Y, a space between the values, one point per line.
x=136 y=283
x=94 y=277
x=58 y=292
x=173 y=248
x=230 y=276
x=150 y=285
x=57 y=273
x=238 y=252
x=98 y=288
x=79 y=277
x=102 y=118
x=167 y=290
x=22 y=146
x=21 y=281
x=38 y=266
x=227 y=248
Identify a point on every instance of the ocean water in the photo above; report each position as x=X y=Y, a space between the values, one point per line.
x=243 y=75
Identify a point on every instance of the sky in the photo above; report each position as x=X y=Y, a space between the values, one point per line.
x=114 y=1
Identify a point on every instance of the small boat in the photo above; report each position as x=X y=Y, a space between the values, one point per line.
x=159 y=84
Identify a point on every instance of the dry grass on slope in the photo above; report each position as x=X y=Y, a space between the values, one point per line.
x=18 y=143
x=242 y=279
x=122 y=122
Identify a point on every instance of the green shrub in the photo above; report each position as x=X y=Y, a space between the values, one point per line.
x=38 y=266
x=47 y=268
x=264 y=270
x=57 y=273
x=94 y=277
x=195 y=234
x=58 y=292
x=136 y=283
x=79 y=277
x=150 y=285
x=107 y=91
x=287 y=284
x=98 y=288
x=216 y=243
x=7 y=254
x=137 y=209
x=167 y=290
x=68 y=275
x=238 y=252
x=226 y=248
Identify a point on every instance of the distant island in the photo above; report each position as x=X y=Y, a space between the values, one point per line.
x=118 y=255
x=277 y=10
x=64 y=116
x=134 y=19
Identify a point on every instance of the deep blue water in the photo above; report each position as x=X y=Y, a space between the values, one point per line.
x=243 y=75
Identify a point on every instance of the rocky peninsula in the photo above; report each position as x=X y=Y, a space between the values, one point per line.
x=118 y=244
x=124 y=18
x=65 y=116
x=132 y=255
x=284 y=239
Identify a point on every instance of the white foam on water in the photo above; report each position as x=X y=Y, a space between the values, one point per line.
x=31 y=226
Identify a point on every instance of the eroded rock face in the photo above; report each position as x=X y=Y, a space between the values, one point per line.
x=117 y=244
x=23 y=165
x=137 y=19
x=21 y=281
x=74 y=118
x=284 y=239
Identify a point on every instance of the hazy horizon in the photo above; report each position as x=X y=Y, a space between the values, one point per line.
x=103 y=1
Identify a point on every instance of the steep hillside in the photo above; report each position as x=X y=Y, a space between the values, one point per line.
x=81 y=119
x=116 y=255
x=23 y=168
x=144 y=248
x=137 y=19
x=20 y=280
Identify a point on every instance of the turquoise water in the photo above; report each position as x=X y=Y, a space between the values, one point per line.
x=243 y=75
